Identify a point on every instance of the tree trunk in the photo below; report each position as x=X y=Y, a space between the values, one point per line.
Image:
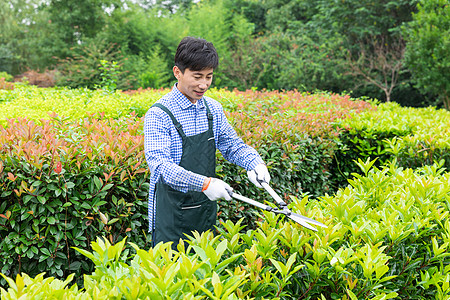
x=446 y=101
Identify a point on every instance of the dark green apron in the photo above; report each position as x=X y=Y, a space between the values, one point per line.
x=179 y=213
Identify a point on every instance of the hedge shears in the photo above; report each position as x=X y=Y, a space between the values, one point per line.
x=302 y=220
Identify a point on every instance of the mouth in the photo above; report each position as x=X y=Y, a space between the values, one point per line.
x=199 y=94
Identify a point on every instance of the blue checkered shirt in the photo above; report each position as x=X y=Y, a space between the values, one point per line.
x=163 y=145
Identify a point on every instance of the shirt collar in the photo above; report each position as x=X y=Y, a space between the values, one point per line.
x=183 y=101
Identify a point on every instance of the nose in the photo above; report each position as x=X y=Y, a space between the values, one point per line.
x=204 y=84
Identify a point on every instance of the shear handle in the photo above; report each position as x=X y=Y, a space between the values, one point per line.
x=274 y=194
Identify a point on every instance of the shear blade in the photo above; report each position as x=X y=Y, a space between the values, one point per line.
x=309 y=220
x=301 y=222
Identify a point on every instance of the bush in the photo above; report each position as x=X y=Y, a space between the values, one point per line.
x=72 y=104
x=296 y=135
x=46 y=79
x=415 y=137
x=387 y=237
x=428 y=48
x=67 y=180
x=64 y=183
x=7 y=77
x=84 y=69
x=5 y=85
x=152 y=76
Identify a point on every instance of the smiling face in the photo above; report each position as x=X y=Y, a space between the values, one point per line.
x=193 y=84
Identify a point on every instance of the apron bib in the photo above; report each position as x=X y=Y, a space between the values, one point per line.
x=178 y=213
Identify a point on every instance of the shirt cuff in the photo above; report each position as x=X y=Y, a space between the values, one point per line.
x=256 y=161
x=196 y=182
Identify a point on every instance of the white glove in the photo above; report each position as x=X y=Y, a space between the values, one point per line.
x=217 y=189
x=259 y=173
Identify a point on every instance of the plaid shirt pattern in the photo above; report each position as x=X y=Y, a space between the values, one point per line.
x=163 y=144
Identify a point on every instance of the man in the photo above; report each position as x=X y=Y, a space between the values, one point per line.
x=182 y=132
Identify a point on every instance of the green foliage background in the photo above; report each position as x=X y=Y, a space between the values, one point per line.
x=271 y=44
x=67 y=180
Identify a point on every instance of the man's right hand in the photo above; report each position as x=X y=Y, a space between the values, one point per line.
x=216 y=189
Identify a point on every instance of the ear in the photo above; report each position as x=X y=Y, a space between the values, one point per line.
x=176 y=72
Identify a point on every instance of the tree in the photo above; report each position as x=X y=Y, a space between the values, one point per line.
x=157 y=74
x=76 y=19
x=247 y=64
x=173 y=6
x=428 y=48
x=378 y=63
x=360 y=19
x=21 y=27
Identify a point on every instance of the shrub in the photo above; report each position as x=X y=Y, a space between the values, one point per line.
x=428 y=48
x=295 y=133
x=73 y=104
x=66 y=181
x=5 y=85
x=155 y=74
x=6 y=76
x=387 y=237
x=45 y=79
x=63 y=183
x=415 y=137
x=84 y=69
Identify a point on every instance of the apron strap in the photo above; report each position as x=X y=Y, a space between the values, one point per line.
x=210 y=115
x=175 y=122
x=177 y=125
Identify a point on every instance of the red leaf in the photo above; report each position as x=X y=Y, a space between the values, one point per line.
x=11 y=176
x=58 y=168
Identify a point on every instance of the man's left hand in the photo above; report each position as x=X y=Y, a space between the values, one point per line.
x=259 y=174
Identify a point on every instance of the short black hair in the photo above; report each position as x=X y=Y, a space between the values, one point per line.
x=196 y=54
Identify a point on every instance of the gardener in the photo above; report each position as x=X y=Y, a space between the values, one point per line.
x=182 y=131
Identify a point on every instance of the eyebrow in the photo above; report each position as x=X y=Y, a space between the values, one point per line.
x=201 y=74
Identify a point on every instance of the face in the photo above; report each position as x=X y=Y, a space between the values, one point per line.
x=193 y=84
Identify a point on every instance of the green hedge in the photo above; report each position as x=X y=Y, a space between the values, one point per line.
x=387 y=237
x=415 y=137
x=67 y=180
x=64 y=183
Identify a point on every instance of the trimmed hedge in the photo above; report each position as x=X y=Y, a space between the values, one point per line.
x=69 y=179
x=387 y=237
x=62 y=184
x=415 y=137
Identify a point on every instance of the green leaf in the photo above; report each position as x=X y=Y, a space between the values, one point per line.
x=41 y=199
x=85 y=205
x=75 y=266
x=351 y=295
x=97 y=183
x=45 y=251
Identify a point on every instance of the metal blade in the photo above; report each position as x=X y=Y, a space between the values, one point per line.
x=294 y=217
x=301 y=222
x=283 y=205
x=309 y=220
